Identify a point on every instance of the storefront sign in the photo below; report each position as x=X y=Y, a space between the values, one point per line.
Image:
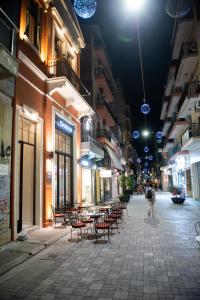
x=105 y=173
x=63 y=126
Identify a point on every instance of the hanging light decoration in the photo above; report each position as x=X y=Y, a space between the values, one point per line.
x=178 y=8
x=159 y=135
x=85 y=8
x=150 y=157
x=138 y=160
x=146 y=149
x=145 y=108
x=146 y=164
x=135 y=134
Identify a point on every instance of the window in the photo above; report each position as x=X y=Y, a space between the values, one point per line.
x=33 y=23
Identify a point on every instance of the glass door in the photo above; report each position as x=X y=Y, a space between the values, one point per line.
x=63 y=182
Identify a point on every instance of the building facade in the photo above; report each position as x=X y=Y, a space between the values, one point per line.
x=180 y=110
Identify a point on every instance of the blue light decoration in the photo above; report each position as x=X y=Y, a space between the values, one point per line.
x=159 y=135
x=146 y=149
x=178 y=8
x=85 y=8
x=145 y=108
x=138 y=160
x=135 y=134
x=150 y=157
x=146 y=164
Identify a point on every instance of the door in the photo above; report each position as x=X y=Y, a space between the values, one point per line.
x=63 y=178
x=27 y=160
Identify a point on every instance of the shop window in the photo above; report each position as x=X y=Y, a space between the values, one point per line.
x=33 y=23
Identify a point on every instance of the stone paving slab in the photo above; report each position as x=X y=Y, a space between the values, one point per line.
x=153 y=257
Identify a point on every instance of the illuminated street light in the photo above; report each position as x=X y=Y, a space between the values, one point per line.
x=135 y=5
x=145 y=133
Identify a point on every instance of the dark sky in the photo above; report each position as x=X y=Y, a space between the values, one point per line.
x=119 y=32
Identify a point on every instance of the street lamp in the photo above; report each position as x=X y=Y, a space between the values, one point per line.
x=135 y=5
x=145 y=133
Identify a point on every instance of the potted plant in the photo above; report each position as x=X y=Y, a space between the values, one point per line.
x=178 y=196
x=129 y=185
x=125 y=197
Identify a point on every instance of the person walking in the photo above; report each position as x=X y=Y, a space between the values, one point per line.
x=151 y=198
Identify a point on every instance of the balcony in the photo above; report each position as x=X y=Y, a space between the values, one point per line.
x=166 y=126
x=191 y=138
x=164 y=108
x=189 y=101
x=174 y=151
x=63 y=80
x=169 y=144
x=8 y=39
x=105 y=112
x=183 y=34
x=105 y=83
x=170 y=81
x=104 y=136
x=177 y=129
x=174 y=101
x=187 y=63
x=92 y=148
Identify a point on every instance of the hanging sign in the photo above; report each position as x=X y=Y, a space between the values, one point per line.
x=64 y=126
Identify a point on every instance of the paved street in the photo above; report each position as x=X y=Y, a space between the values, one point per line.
x=154 y=257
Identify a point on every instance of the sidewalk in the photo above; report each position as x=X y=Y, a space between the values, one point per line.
x=14 y=253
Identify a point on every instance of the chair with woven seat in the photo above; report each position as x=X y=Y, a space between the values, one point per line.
x=77 y=224
x=102 y=225
x=58 y=216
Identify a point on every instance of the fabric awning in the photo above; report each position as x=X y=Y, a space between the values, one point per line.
x=114 y=158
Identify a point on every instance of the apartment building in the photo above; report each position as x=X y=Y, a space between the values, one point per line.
x=107 y=100
x=180 y=109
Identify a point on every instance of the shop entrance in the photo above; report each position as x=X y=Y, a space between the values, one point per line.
x=27 y=166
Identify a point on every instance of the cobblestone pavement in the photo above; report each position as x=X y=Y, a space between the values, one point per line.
x=153 y=257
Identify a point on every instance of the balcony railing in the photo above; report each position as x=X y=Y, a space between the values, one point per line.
x=192 y=131
x=104 y=133
x=101 y=71
x=102 y=101
x=60 y=67
x=193 y=88
x=8 y=33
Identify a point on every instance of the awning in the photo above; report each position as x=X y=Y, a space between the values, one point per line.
x=114 y=158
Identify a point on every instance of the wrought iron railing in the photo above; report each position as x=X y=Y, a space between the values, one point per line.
x=104 y=133
x=60 y=67
x=102 y=101
x=8 y=33
x=101 y=71
x=192 y=131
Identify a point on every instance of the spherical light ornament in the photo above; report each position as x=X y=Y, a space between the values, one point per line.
x=145 y=108
x=85 y=8
x=135 y=134
x=138 y=160
x=150 y=157
x=146 y=149
x=178 y=8
x=159 y=135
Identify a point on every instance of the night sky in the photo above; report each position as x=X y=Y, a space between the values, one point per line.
x=119 y=31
